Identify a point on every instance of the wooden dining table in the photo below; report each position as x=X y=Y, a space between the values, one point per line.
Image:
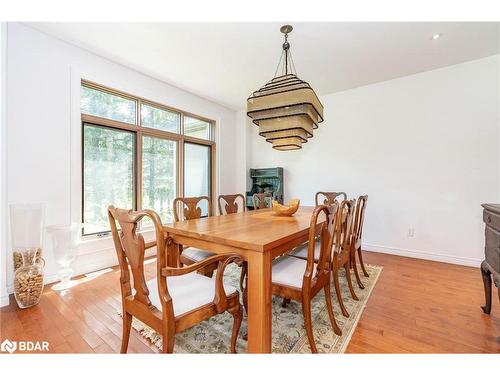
x=257 y=236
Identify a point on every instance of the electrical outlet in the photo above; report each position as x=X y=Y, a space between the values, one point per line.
x=411 y=232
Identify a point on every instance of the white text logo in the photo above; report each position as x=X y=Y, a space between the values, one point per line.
x=24 y=346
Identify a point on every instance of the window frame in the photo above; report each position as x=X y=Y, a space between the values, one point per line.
x=140 y=131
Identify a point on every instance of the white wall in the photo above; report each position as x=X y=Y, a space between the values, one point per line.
x=425 y=148
x=3 y=160
x=44 y=129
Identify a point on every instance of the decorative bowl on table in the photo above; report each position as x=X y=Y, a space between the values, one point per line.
x=288 y=210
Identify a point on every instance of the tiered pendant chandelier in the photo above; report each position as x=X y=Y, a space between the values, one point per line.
x=286 y=109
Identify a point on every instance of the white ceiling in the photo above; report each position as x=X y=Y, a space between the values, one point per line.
x=224 y=62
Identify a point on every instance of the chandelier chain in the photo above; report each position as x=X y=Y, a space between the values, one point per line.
x=279 y=63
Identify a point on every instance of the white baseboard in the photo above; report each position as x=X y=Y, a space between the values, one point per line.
x=463 y=261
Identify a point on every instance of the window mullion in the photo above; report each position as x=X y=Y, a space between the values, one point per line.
x=138 y=179
x=138 y=157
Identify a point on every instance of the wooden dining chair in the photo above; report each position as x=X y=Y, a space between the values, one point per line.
x=321 y=197
x=301 y=280
x=191 y=210
x=341 y=253
x=261 y=200
x=359 y=217
x=228 y=204
x=177 y=298
x=328 y=197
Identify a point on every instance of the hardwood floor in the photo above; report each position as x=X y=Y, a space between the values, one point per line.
x=417 y=306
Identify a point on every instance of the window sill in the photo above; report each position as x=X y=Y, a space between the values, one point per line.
x=93 y=243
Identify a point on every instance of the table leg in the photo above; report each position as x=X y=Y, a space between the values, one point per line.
x=173 y=253
x=259 y=302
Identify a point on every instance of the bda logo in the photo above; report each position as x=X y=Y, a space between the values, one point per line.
x=8 y=346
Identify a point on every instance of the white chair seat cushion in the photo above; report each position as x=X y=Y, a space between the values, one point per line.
x=303 y=250
x=289 y=271
x=188 y=291
x=196 y=255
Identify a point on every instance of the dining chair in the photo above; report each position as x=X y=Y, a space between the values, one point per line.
x=228 y=204
x=191 y=210
x=262 y=200
x=341 y=252
x=177 y=298
x=302 y=279
x=359 y=217
x=328 y=197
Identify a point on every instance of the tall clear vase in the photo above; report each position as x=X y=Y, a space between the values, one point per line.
x=65 y=239
x=26 y=223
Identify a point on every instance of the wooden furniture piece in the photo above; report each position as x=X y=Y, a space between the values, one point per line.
x=260 y=201
x=328 y=197
x=491 y=264
x=228 y=204
x=302 y=279
x=341 y=252
x=341 y=257
x=257 y=236
x=191 y=210
x=266 y=180
x=180 y=297
x=357 y=232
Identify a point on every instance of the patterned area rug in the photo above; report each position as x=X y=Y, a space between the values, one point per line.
x=288 y=332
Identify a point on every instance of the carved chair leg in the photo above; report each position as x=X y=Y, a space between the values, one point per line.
x=127 y=324
x=360 y=256
x=349 y=282
x=237 y=313
x=328 y=298
x=168 y=336
x=306 y=311
x=336 y=283
x=354 y=266
x=285 y=302
x=487 y=290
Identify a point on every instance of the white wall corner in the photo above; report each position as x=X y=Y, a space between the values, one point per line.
x=4 y=297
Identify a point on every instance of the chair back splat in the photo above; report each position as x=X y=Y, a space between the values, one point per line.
x=328 y=197
x=190 y=207
x=343 y=227
x=359 y=218
x=228 y=204
x=326 y=241
x=261 y=200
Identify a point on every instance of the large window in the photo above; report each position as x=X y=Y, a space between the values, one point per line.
x=197 y=172
x=140 y=155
